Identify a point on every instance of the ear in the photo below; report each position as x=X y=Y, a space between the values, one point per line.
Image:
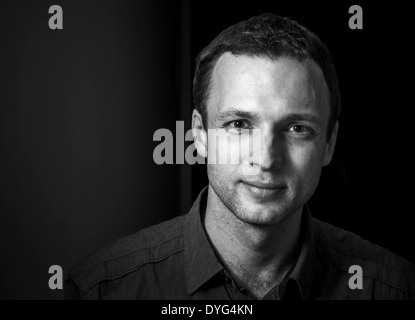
x=331 y=143
x=199 y=134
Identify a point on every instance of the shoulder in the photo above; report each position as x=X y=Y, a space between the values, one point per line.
x=129 y=254
x=343 y=249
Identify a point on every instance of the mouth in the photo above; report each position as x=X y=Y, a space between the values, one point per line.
x=263 y=190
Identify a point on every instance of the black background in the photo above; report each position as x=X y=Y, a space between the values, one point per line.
x=79 y=107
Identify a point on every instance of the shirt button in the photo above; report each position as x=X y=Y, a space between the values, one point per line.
x=224 y=275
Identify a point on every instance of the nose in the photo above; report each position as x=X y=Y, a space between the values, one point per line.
x=268 y=150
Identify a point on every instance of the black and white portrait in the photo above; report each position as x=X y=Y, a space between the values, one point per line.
x=221 y=150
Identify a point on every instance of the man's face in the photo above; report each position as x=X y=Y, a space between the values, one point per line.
x=288 y=101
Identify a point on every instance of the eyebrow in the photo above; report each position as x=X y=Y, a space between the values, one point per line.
x=224 y=115
x=302 y=117
x=292 y=117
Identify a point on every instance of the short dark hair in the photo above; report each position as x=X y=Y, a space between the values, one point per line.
x=271 y=36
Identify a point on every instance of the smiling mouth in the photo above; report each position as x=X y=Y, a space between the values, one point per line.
x=263 y=190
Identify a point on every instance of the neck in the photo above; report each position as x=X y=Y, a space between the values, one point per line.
x=257 y=256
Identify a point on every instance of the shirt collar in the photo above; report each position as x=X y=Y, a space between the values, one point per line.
x=200 y=261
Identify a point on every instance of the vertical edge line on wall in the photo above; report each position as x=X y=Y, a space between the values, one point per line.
x=185 y=97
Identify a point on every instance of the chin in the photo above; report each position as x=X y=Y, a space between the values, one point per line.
x=256 y=209
x=264 y=215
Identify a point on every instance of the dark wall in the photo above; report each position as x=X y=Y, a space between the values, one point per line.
x=78 y=110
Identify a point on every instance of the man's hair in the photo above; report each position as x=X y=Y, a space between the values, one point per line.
x=272 y=36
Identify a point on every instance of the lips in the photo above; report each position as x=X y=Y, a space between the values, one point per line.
x=263 y=189
x=264 y=185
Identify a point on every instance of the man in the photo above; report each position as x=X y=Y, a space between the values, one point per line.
x=250 y=235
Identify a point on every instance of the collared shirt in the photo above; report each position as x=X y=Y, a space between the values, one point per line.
x=175 y=260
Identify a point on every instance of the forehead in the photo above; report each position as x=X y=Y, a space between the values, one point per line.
x=245 y=81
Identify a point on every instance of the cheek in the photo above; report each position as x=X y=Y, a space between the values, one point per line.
x=307 y=160
x=304 y=173
x=227 y=149
x=219 y=174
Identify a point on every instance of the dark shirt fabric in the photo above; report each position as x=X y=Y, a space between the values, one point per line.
x=175 y=260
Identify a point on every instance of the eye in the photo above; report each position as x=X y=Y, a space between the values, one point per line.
x=237 y=125
x=298 y=129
